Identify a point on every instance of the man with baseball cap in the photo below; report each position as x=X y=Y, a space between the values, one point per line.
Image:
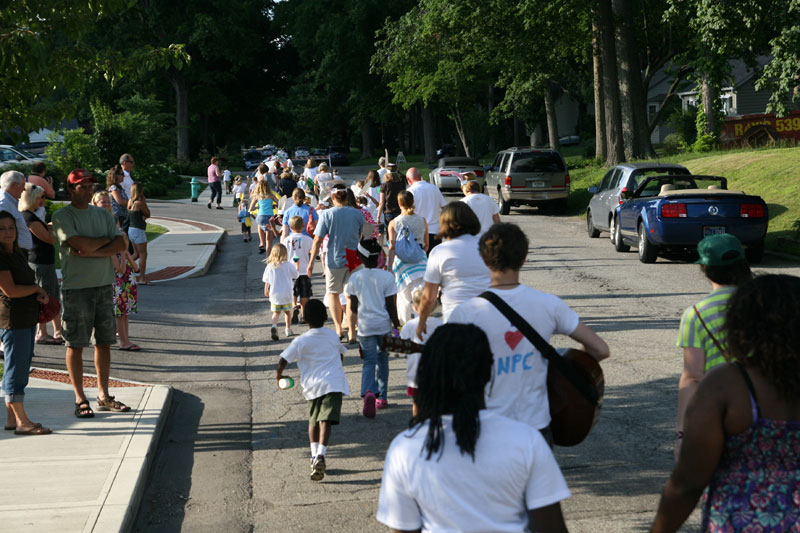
x=701 y=334
x=126 y=162
x=88 y=236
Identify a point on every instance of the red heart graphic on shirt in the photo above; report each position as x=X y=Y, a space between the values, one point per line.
x=513 y=338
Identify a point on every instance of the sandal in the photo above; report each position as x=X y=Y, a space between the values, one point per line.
x=13 y=428
x=34 y=430
x=50 y=340
x=83 y=412
x=131 y=348
x=110 y=404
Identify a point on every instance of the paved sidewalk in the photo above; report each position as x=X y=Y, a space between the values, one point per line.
x=90 y=473
x=187 y=250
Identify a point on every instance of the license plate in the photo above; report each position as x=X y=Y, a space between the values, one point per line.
x=713 y=230
x=536 y=184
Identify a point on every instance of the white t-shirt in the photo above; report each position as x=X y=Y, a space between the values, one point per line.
x=513 y=471
x=457 y=266
x=318 y=354
x=226 y=175
x=520 y=381
x=281 y=282
x=409 y=332
x=254 y=185
x=372 y=207
x=323 y=181
x=382 y=172
x=127 y=183
x=428 y=203
x=484 y=208
x=371 y=286
x=299 y=244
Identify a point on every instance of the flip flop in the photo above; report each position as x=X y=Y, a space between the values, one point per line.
x=50 y=340
x=131 y=348
x=34 y=431
x=13 y=428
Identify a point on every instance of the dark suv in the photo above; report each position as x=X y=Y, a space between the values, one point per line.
x=528 y=176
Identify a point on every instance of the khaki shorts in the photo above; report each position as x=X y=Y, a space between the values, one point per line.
x=88 y=317
x=326 y=408
x=335 y=279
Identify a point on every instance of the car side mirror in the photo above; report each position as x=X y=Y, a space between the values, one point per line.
x=592 y=190
x=626 y=194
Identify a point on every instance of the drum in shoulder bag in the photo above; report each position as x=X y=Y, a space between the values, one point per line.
x=572 y=413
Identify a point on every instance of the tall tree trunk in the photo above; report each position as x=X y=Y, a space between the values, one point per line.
x=462 y=135
x=709 y=99
x=366 y=139
x=490 y=106
x=614 y=140
x=632 y=93
x=178 y=82
x=537 y=135
x=428 y=133
x=599 y=106
x=552 y=119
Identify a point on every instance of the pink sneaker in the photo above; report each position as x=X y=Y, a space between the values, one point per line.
x=380 y=403
x=369 y=405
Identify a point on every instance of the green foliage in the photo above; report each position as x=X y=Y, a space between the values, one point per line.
x=705 y=143
x=684 y=123
x=75 y=150
x=673 y=143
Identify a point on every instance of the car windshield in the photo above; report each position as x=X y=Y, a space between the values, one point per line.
x=25 y=153
x=653 y=187
x=318 y=151
x=537 y=162
x=253 y=155
x=7 y=155
x=458 y=162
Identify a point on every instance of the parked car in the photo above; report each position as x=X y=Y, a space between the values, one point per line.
x=318 y=155
x=36 y=148
x=447 y=174
x=338 y=156
x=301 y=152
x=447 y=150
x=669 y=213
x=528 y=176
x=253 y=159
x=608 y=194
x=10 y=154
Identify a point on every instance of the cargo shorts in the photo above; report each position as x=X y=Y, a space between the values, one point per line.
x=88 y=317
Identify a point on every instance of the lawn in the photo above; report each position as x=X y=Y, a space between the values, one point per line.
x=770 y=173
x=181 y=191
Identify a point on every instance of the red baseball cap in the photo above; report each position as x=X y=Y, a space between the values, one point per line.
x=80 y=175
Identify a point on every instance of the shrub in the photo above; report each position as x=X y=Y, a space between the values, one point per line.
x=673 y=143
x=705 y=143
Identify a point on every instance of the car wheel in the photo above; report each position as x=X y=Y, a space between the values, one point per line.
x=593 y=232
x=505 y=207
x=616 y=238
x=648 y=253
x=755 y=253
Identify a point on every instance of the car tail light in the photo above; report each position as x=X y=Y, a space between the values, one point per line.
x=621 y=194
x=479 y=173
x=751 y=211
x=566 y=181
x=673 y=211
x=508 y=181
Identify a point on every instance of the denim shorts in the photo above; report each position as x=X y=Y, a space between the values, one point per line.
x=88 y=317
x=263 y=221
x=137 y=236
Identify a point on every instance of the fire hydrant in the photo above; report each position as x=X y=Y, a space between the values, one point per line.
x=195 y=189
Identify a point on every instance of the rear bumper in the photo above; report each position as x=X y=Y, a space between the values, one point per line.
x=452 y=183
x=683 y=234
x=534 y=195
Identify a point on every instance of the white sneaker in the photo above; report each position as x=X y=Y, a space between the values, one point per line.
x=288 y=332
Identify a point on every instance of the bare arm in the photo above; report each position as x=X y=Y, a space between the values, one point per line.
x=12 y=290
x=496 y=218
x=548 y=519
x=314 y=249
x=391 y=306
x=118 y=197
x=111 y=248
x=87 y=245
x=426 y=305
x=144 y=208
x=282 y=364
x=381 y=205
x=42 y=232
x=426 y=238
x=266 y=290
x=591 y=341
x=119 y=263
x=693 y=369
x=392 y=242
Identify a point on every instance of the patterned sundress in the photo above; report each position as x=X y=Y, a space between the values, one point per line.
x=756 y=486
x=125 y=293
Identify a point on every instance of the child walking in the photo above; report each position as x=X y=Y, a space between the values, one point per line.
x=318 y=354
x=125 y=297
x=371 y=293
x=278 y=281
x=409 y=332
x=298 y=246
x=244 y=217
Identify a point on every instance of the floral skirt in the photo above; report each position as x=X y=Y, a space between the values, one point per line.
x=125 y=293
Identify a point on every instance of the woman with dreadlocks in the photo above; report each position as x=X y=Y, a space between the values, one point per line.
x=460 y=467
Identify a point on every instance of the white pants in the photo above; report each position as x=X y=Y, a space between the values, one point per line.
x=405 y=300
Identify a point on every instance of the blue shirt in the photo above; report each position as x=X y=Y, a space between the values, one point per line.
x=342 y=225
x=266 y=207
x=302 y=211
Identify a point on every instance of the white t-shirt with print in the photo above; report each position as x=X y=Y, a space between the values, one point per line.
x=226 y=175
x=428 y=203
x=457 y=266
x=519 y=388
x=318 y=354
x=484 y=208
x=281 y=282
x=513 y=471
x=371 y=286
x=409 y=332
x=299 y=244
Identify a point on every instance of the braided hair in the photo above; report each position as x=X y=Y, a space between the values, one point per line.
x=453 y=371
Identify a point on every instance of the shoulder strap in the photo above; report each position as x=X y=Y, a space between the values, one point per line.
x=749 y=383
x=547 y=351
x=713 y=338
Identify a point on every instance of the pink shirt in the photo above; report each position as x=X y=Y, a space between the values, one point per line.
x=213 y=173
x=49 y=192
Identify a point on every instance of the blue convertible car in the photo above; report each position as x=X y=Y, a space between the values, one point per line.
x=668 y=213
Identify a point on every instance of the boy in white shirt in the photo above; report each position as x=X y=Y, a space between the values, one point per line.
x=409 y=332
x=371 y=294
x=278 y=281
x=318 y=354
x=486 y=209
x=298 y=247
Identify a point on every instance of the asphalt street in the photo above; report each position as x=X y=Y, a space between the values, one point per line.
x=234 y=454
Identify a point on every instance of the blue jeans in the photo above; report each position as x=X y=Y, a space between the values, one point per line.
x=216 y=192
x=18 y=353
x=374 y=355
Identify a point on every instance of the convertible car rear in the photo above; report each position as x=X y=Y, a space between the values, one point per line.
x=668 y=213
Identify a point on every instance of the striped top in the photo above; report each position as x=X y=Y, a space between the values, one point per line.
x=692 y=334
